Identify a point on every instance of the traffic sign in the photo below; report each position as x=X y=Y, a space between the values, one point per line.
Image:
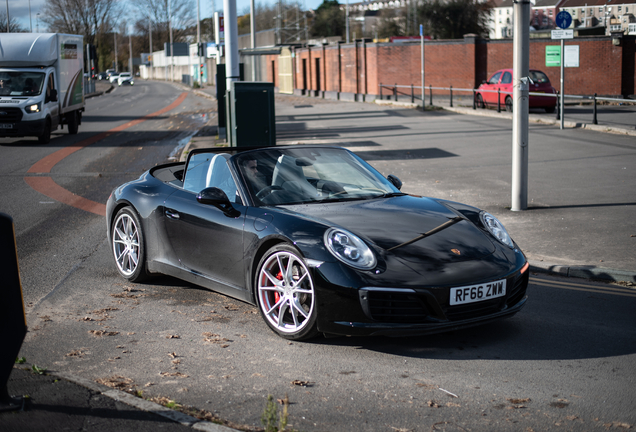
x=563 y=20
x=562 y=34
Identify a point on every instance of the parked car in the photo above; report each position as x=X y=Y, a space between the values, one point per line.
x=319 y=241
x=113 y=77
x=102 y=76
x=125 y=78
x=501 y=80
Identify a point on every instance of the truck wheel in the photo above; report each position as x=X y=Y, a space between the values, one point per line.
x=45 y=138
x=72 y=122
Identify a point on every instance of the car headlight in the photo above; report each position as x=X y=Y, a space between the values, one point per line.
x=496 y=228
x=33 y=108
x=349 y=249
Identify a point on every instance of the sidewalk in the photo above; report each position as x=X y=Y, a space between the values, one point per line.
x=62 y=402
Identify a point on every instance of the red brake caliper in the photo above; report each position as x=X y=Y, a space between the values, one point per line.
x=279 y=276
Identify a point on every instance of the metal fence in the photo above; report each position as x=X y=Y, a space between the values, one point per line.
x=395 y=92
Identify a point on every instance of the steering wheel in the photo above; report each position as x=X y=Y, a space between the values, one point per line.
x=267 y=190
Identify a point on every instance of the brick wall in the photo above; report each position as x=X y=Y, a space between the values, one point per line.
x=604 y=68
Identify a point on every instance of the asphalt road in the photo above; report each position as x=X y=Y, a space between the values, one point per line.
x=566 y=361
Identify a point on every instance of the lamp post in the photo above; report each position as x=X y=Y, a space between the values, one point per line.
x=37 y=22
x=30 y=21
x=7 y=16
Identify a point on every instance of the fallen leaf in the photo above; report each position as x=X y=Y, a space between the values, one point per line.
x=174 y=374
x=100 y=333
x=173 y=337
x=433 y=404
x=519 y=401
x=302 y=383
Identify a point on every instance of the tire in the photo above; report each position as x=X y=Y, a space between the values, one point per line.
x=480 y=101
x=285 y=293
x=72 y=122
x=128 y=245
x=508 y=104
x=45 y=138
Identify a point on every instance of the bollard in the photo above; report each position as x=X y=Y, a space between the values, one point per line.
x=380 y=91
x=558 y=109
x=12 y=317
x=594 y=120
x=498 y=100
x=395 y=91
x=474 y=101
x=430 y=93
x=412 y=95
x=451 y=95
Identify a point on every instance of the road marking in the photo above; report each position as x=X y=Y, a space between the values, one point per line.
x=625 y=292
x=46 y=186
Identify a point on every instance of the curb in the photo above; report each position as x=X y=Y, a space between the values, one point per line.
x=144 y=405
x=583 y=272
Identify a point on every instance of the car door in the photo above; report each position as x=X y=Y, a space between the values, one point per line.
x=490 y=97
x=51 y=103
x=505 y=86
x=205 y=239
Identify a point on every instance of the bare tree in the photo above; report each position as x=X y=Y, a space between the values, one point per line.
x=180 y=13
x=89 y=18
x=14 y=27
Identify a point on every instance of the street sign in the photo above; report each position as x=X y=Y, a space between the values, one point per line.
x=563 y=20
x=562 y=34
x=552 y=55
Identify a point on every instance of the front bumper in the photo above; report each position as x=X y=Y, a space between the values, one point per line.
x=418 y=311
x=23 y=128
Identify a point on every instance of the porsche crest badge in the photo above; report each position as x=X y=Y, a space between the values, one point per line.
x=456 y=251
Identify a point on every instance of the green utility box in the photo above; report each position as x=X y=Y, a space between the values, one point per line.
x=251 y=114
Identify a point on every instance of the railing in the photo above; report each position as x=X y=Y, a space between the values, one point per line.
x=394 y=93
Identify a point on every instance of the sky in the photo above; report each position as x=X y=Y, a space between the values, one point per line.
x=19 y=9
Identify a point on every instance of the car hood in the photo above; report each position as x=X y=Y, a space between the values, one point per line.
x=390 y=222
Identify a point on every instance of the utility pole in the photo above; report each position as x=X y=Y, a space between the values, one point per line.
x=130 y=61
x=171 y=42
x=347 y=22
x=253 y=37
x=8 y=16
x=30 y=21
x=199 y=42
x=150 y=34
x=520 y=102
x=422 y=42
x=115 y=34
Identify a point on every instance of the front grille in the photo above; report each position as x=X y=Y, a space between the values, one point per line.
x=10 y=115
x=385 y=306
x=473 y=310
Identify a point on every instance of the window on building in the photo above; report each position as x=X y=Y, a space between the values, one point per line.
x=619 y=8
x=550 y=12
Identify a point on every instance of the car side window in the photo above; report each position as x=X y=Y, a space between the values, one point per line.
x=206 y=170
x=507 y=78
x=49 y=86
x=495 y=78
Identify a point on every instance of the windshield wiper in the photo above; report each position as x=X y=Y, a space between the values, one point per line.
x=392 y=194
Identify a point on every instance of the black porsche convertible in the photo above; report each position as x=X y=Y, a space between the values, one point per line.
x=319 y=240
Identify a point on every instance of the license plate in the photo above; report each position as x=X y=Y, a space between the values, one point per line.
x=6 y=126
x=476 y=293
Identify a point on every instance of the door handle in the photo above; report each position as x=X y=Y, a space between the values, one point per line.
x=171 y=214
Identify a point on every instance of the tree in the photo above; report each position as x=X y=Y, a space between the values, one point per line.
x=89 y=18
x=452 y=19
x=180 y=14
x=329 y=20
x=391 y=23
x=14 y=27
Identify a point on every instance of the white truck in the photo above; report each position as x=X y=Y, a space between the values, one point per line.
x=41 y=84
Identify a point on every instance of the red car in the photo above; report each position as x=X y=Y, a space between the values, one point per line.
x=502 y=80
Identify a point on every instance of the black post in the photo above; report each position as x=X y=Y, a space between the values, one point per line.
x=12 y=317
x=498 y=100
x=474 y=102
x=380 y=91
x=395 y=91
x=430 y=95
x=558 y=109
x=594 y=120
x=412 y=95
x=451 y=95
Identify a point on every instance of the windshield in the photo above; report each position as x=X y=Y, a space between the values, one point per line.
x=310 y=175
x=539 y=77
x=21 y=83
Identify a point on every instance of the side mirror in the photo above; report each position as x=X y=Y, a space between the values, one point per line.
x=53 y=96
x=178 y=175
x=395 y=181
x=216 y=197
